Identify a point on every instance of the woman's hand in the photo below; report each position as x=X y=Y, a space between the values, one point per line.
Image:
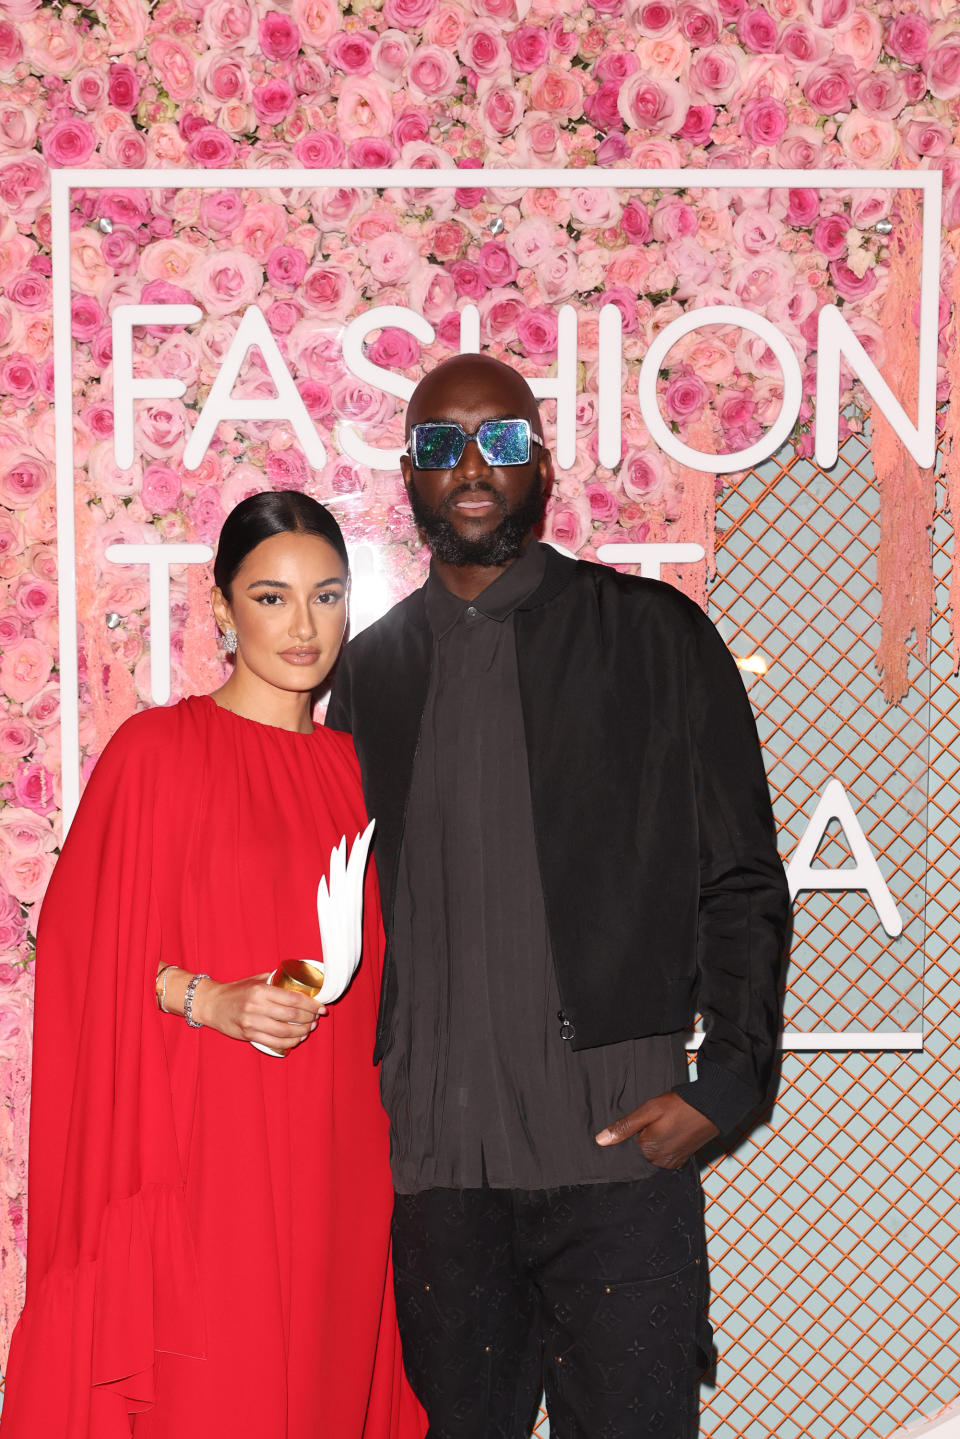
x=250 y=1009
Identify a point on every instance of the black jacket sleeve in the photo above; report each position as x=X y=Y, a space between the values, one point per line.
x=339 y=715
x=744 y=902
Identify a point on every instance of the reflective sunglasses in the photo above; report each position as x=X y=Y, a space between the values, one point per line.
x=439 y=444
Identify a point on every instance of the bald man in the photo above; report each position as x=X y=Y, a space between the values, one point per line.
x=576 y=852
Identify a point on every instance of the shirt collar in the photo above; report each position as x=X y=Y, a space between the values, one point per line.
x=497 y=602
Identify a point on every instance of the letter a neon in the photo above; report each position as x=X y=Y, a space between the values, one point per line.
x=864 y=873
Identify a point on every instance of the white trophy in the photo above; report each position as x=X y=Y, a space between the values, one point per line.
x=340 y=916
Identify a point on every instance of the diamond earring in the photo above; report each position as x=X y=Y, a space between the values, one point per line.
x=230 y=641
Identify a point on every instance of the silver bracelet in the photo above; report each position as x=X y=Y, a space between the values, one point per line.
x=188 y=1001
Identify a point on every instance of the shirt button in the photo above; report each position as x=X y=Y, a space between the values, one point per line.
x=471 y=612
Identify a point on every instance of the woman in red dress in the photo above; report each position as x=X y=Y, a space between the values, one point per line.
x=209 y=1226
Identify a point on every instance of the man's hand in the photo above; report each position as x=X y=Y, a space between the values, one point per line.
x=667 y=1129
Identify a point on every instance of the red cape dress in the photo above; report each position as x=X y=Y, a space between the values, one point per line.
x=208 y=1247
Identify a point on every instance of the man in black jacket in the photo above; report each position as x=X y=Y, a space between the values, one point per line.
x=575 y=849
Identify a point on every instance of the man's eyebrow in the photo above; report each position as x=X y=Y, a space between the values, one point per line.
x=282 y=584
x=490 y=420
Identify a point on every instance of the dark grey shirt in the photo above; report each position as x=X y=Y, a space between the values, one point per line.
x=478 y=1082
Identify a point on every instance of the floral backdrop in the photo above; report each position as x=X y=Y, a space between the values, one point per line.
x=708 y=84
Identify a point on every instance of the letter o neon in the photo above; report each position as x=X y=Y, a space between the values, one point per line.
x=653 y=362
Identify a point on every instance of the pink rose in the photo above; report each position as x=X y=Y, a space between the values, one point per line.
x=758 y=31
x=908 y=38
x=483 y=49
x=433 y=72
x=698 y=24
x=11 y=48
x=273 y=101
x=286 y=266
x=568 y=522
x=19 y=378
x=226 y=281
x=557 y=91
x=160 y=489
x=211 y=148
x=223 y=78
x=18 y=126
x=23 y=481
x=363 y=107
x=658 y=106
x=800 y=149
x=391 y=54
x=35 y=597
x=537 y=331
x=395 y=349
x=803 y=45
x=123 y=87
x=359 y=402
x=635 y=222
x=496 y=264
x=603 y=503
x=126 y=24
x=500 y=312
x=24 y=669
x=24 y=187
x=88 y=89
x=715 y=74
x=697 y=126
x=374 y=153
x=529 y=48
x=850 y=285
x=352 y=51
x=120 y=249
x=319 y=150
x=16 y=738
x=861 y=37
x=328 y=290
x=828 y=88
x=206 y=513
x=287 y=470
x=317 y=19
x=432 y=292
x=501 y=107
x=278 y=36
x=941 y=66
x=655 y=17
x=684 y=398
x=161 y=427
x=925 y=139
x=881 y=95
x=86 y=317
x=803 y=206
x=869 y=143
x=126 y=149
x=69 y=142
x=408 y=14
x=642 y=474
x=29 y=291
x=391 y=258
x=34 y=790
x=175 y=67
x=674 y=219
x=763 y=121
x=831 y=13
x=27 y=876
x=125 y=207
x=468 y=279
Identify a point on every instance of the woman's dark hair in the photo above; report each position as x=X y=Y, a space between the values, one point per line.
x=273 y=512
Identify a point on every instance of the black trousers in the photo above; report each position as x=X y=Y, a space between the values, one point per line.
x=595 y=1293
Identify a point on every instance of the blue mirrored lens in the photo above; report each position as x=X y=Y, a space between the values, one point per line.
x=437 y=447
x=504 y=442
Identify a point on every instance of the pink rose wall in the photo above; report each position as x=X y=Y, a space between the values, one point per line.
x=705 y=84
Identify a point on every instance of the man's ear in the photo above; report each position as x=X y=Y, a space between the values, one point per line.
x=406 y=470
x=545 y=470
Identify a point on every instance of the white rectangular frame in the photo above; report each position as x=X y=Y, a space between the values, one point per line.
x=928 y=182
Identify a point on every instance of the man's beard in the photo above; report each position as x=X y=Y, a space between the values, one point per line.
x=498 y=546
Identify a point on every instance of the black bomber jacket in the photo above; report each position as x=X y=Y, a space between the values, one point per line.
x=663 y=889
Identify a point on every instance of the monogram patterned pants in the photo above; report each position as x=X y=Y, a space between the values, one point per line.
x=594 y=1292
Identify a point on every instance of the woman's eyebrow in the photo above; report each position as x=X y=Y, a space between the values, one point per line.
x=282 y=584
